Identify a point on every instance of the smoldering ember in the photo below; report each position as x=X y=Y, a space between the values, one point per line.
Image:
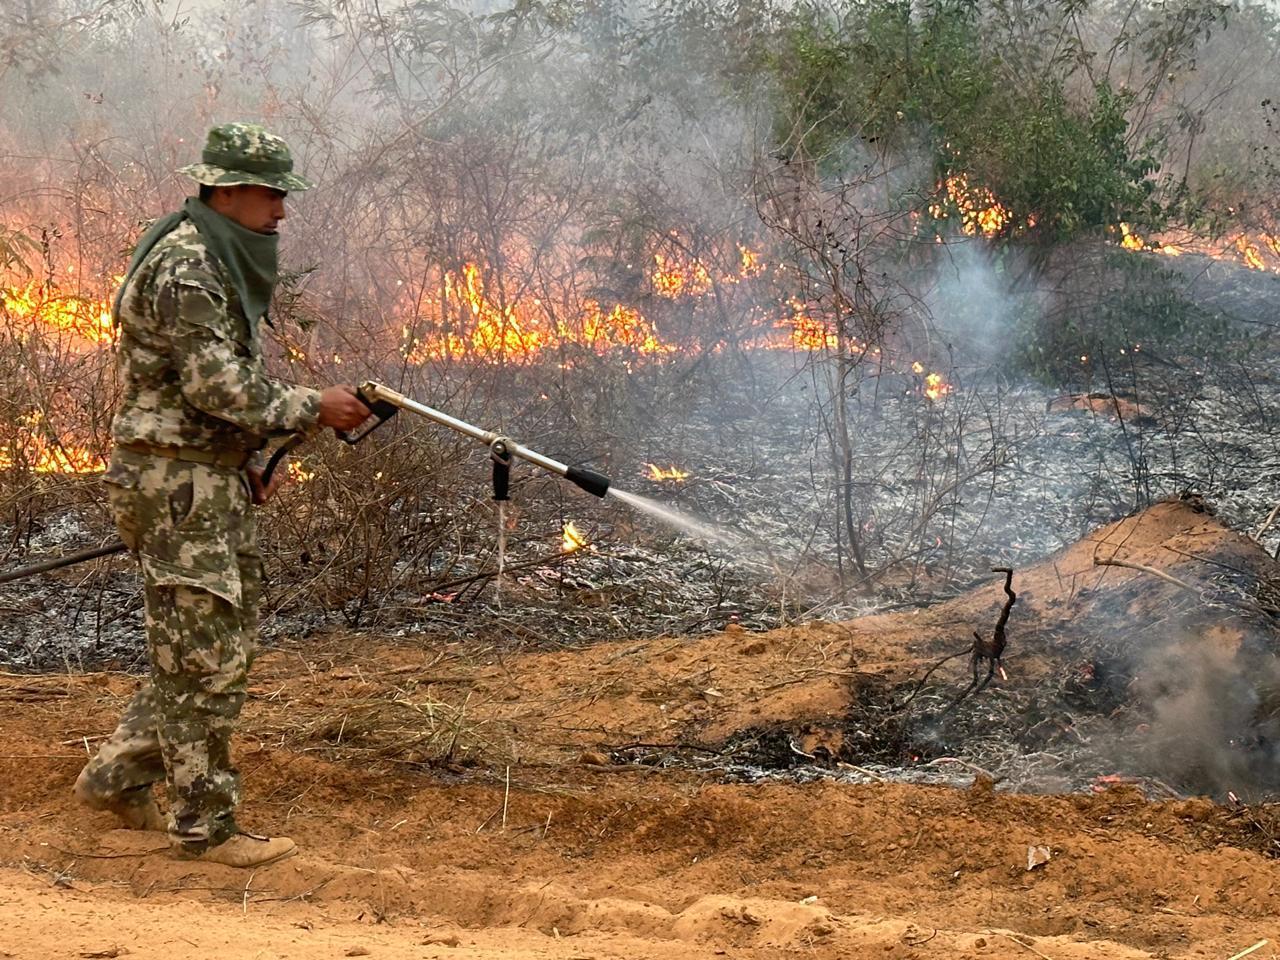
x=813 y=487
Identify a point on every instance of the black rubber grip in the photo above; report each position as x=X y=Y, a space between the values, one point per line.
x=380 y=412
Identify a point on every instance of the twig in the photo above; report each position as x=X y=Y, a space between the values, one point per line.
x=862 y=770
x=1026 y=946
x=110 y=856
x=1248 y=950
x=1210 y=560
x=1266 y=524
x=965 y=763
x=244 y=900
x=928 y=673
x=1170 y=578
x=1130 y=565
x=506 y=796
x=551 y=561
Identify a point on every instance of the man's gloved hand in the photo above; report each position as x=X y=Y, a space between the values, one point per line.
x=341 y=409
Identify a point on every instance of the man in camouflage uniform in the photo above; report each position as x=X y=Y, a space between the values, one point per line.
x=197 y=408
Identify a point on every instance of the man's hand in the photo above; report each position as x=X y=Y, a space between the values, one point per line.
x=262 y=494
x=341 y=409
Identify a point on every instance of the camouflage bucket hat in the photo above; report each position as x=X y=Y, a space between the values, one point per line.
x=245 y=153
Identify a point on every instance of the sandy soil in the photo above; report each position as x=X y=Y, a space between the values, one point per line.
x=455 y=802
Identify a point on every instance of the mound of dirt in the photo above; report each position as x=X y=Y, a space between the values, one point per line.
x=1168 y=672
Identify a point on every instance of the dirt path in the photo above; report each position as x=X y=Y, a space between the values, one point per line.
x=622 y=864
x=92 y=923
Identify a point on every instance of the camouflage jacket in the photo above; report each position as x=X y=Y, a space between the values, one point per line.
x=191 y=363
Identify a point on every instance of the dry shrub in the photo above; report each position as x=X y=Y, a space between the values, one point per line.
x=403 y=727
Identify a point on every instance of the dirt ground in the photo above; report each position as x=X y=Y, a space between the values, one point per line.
x=468 y=803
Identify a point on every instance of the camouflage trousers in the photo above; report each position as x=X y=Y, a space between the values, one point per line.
x=192 y=527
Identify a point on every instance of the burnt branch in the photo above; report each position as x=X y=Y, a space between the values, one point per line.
x=991 y=651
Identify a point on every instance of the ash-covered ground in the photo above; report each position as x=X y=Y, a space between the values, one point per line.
x=997 y=472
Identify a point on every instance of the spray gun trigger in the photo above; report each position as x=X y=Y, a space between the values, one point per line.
x=380 y=412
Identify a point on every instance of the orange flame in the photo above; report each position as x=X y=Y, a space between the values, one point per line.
x=1130 y=240
x=1257 y=251
x=981 y=214
x=671 y=279
x=525 y=329
x=670 y=473
x=1250 y=253
x=677 y=274
x=42 y=456
x=574 y=540
x=807 y=332
x=936 y=387
x=37 y=305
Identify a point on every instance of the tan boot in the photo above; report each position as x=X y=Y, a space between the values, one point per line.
x=137 y=812
x=245 y=850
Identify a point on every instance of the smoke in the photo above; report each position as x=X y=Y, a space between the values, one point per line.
x=972 y=303
x=1213 y=717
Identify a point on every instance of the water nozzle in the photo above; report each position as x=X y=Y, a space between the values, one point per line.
x=596 y=484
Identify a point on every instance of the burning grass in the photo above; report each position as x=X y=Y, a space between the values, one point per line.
x=38 y=305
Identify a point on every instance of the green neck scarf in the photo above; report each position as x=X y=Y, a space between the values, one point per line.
x=248 y=256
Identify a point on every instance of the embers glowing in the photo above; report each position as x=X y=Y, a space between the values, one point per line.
x=935 y=387
x=981 y=214
x=661 y=474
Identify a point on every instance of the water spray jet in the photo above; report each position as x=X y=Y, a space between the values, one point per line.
x=385 y=402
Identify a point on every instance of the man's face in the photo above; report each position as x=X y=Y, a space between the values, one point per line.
x=252 y=206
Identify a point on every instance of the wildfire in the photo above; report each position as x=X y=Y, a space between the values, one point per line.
x=676 y=274
x=621 y=326
x=671 y=279
x=35 y=304
x=981 y=214
x=1130 y=240
x=524 y=329
x=1250 y=253
x=300 y=474
x=936 y=387
x=1258 y=251
x=574 y=540
x=659 y=474
x=806 y=332
x=42 y=456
